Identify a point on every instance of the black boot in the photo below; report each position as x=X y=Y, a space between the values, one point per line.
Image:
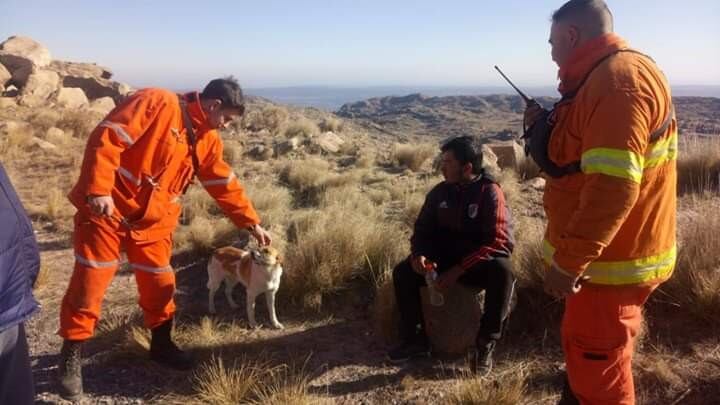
x=480 y=358
x=416 y=347
x=70 y=370
x=165 y=352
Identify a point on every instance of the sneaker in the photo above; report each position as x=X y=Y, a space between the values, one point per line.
x=480 y=359
x=407 y=351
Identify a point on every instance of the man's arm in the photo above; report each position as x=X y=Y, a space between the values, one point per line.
x=613 y=150
x=495 y=236
x=220 y=181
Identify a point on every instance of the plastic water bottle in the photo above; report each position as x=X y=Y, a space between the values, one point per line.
x=436 y=297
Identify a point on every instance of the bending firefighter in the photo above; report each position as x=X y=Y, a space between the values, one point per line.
x=138 y=162
x=611 y=209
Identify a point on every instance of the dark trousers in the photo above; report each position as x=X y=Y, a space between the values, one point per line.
x=494 y=276
x=16 y=381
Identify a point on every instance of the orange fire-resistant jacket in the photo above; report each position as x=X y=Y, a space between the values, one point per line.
x=615 y=220
x=139 y=155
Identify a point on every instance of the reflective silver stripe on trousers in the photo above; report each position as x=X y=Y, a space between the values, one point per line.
x=119 y=130
x=149 y=269
x=95 y=264
x=126 y=173
x=215 y=182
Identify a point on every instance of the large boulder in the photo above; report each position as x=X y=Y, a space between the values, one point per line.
x=97 y=87
x=102 y=105
x=509 y=154
x=21 y=56
x=75 y=69
x=40 y=85
x=71 y=98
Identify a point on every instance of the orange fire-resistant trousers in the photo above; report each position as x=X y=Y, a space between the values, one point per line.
x=599 y=328
x=97 y=247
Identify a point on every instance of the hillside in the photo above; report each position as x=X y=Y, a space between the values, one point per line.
x=488 y=116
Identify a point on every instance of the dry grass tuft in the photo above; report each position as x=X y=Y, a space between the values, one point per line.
x=252 y=382
x=203 y=235
x=272 y=118
x=527 y=169
x=332 y=247
x=699 y=166
x=498 y=390
x=331 y=124
x=413 y=156
x=696 y=281
x=302 y=127
x=80 y=123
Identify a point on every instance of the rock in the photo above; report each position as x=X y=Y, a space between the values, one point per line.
x=5 y=77
x=329 y=142
x=28 y=49
x=96 y=87
x=22 y=56
x=509 y=154
x=7 y=102
x=40 y=85
x=42 y=144
x=71 y=98
x=102 y=105
x=490 y=160
x=75 y=69
x=287 y=146
x=538 y=183
x=452 y=327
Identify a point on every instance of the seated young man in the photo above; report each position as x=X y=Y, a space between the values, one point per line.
x=464 y=228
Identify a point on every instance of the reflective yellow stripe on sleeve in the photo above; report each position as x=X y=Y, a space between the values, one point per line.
x=645 y=269
x=620 y=163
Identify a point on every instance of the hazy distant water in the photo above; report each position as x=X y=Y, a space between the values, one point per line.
x=332 y=98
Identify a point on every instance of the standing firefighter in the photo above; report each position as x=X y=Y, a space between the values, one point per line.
x=138 y=162
x=611 y=209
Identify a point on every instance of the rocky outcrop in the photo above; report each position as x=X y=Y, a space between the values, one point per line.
x=27 y=65
x=38 y=88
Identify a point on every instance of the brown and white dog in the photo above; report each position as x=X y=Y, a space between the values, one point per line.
x=258 y=270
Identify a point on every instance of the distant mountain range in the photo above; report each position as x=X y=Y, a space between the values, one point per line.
x=332 y=98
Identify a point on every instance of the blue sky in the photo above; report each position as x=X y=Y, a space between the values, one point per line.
x=180 y=44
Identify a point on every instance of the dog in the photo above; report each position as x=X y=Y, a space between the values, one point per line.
x=258 y=270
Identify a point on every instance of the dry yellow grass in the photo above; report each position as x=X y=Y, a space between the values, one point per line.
x=696 y=280
x=413 y=156
x=301 y=127
x=699 y=165
x=332 y=124
x=271 y=118
x=507 y=389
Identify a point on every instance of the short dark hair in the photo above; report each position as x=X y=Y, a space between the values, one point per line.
x=227 y=90
x=594 y=12
x=462 y=147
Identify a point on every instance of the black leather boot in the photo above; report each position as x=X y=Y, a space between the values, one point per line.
x=70 y=370
x=164 y=351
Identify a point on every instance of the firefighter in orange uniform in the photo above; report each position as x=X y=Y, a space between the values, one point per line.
x=610 y=239
x=138 y=162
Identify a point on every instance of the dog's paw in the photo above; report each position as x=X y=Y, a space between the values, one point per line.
x=212 y=311
x=253 y=325
x=278 y=325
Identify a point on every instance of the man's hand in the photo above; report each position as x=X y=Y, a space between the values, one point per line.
x=419 y=264
x=260 y=234
x=533 y=112
x=101 y=205
x=560 y=284
x=448 y=278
